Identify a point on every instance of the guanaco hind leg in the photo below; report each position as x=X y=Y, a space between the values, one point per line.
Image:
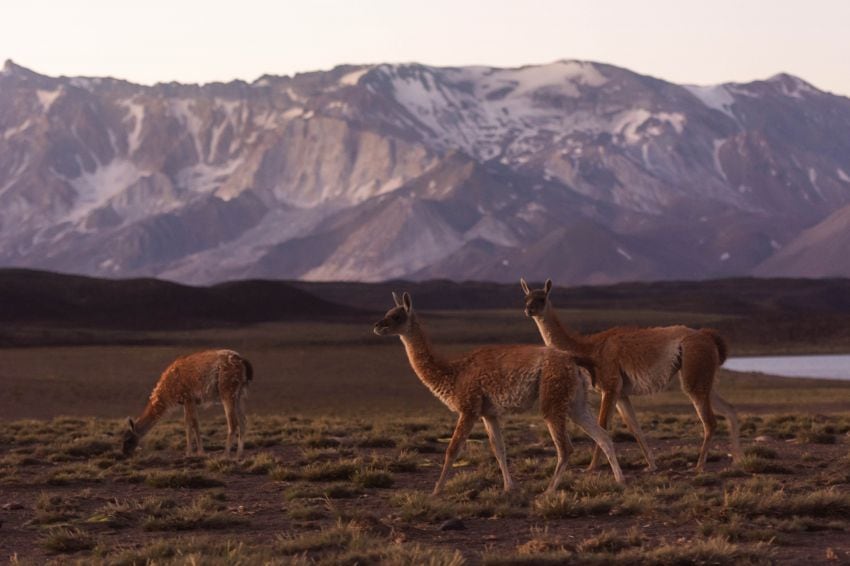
x=243 y=421
x=699 y=364
x=494 y=432
x=724 y=409
x=627 y=413
x=232 y=424
x=709 y=424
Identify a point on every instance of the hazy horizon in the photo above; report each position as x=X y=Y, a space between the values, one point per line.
x=208 y=42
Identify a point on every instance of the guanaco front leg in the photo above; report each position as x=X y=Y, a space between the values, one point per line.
x=609 y=399
x=196 y=430
x=709 y=424
x=188 y=418
x=462 y=430
x=582 y=417
x=494 y=432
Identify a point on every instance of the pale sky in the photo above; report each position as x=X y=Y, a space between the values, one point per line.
x=684 y=41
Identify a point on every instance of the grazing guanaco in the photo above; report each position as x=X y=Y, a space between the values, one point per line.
x=642 y=361
x=488 y=382
x=191 y=381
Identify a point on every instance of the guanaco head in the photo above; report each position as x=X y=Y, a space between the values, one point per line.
x=130 y=438
x=397 y=319
x=536 y=300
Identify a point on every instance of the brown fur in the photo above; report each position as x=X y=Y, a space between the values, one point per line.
x=489 y=382
x=642 y=361
x=191 y=381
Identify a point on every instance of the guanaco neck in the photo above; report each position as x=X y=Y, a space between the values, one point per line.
x=152 y=413
x=431 y=370
x=555 y=334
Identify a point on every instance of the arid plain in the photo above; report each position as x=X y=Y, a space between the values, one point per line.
x=345 y=444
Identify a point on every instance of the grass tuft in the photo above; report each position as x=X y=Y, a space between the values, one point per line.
x=66 y=541
x=570 y=504
x=371 y=478
x=758 y=465
x=342 y=470
x=611 y=541
x=178 y=480
x=761 y=452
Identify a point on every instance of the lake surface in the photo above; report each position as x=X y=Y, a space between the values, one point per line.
x=831 y=367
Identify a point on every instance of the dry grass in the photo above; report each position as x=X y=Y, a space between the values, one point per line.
x=355 y=488
x=353 y=501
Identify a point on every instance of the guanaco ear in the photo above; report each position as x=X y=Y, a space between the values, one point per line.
x=131 y=424
x=396 y=300
x=548 y=286
x=408 y=302
x=524 y=286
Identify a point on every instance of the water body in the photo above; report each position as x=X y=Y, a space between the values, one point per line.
x=826 y=367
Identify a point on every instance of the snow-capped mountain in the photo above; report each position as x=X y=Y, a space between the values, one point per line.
x=579 y=171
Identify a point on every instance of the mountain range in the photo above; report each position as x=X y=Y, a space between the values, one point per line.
x=579 y=171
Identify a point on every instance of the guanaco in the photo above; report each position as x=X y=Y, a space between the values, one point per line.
x=642 y=361
x=191 y=381
x=488 y=382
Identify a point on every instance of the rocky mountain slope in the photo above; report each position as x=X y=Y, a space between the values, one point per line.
x=584 y=172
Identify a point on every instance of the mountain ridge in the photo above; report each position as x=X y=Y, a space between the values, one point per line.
x=469 y=167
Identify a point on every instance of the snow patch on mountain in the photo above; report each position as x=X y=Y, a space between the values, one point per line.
x=532 y=212
x=15 y=174
x=813 y=180
x=629 y=124
x=563 y=75
x=792 y=86
x=716 y=97
x=96 y=187
x=366 y=190
x=292 y=113
x=136 y=115
x=353 y=77
x=182 y=109
x=15 y=130
x=86 y=83
x=718 y=166
x=205 y=178
x=47 y=97
x=486 y=111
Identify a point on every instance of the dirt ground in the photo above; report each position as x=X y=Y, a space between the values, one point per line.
x=358 y=491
